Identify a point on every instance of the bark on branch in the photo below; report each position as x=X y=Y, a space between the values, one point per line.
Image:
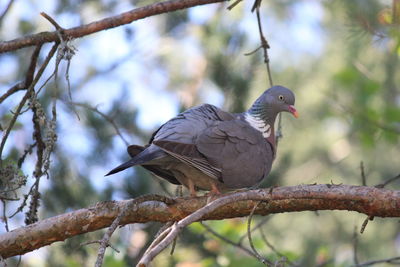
x=107 y=23
x=368 y=200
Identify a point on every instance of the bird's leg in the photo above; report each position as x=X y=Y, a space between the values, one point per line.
x=214 y=193
x=191 y=187
x=214 y=189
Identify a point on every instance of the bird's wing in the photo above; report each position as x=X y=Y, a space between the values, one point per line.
x=177 y=136
x=186 y=126
x=189 y=154
x=240 y=151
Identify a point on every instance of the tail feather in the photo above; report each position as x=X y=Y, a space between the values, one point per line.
x=134 y=150
x=140 y=155
x=123 y=166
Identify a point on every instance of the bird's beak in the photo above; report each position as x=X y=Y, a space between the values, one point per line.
x=293 y=111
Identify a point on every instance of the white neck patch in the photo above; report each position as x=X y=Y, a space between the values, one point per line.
x=259 y=125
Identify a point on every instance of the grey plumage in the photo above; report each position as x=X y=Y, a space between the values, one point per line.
x=210 y=149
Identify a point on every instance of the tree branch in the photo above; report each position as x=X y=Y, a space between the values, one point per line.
x=368 y=200
x=107 y=23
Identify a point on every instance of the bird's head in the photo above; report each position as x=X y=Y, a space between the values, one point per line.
x=277 y=99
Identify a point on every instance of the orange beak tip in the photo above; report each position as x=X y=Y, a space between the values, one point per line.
x=293 y=111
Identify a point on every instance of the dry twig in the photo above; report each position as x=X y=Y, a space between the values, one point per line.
x=105 y=116
x=231 y=6
x=258 y=225
x=227 y=240
x=105 y=241
x=392 y=261
x=388 y=181
x=4 y=13
x=355 y=246
x=258 y=256
x=277 y=252
x=363 y=177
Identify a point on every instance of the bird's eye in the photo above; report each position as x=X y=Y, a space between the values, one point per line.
x=281 y=97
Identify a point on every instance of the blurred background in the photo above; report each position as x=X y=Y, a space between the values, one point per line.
x=341 y=58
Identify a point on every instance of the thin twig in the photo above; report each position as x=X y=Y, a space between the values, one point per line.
x=363 y=178
x=258 y=225
x=5 y=214
x=394 y=261
x=253 y=52
x=18 y=87
x=3 y=261
x=264 y=44
x=26 y=152
x=233 y=4
x=52 y=21
x=105 y=116
x=12 y=122
x=277 y=252
x=227 y=240
x=355 y=246
x=23 y=204
x=99 y=242
x=105 y=241
x=257 y=4
x=173 y=246
x=388 y=181
x=365 y=223
x=28 y=77
x=259 y=257
x=8 y=7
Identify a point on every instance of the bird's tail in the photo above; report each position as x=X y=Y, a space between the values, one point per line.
x=140 y=155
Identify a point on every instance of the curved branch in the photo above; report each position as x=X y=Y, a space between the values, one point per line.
x=368 y=200
x=107 y=23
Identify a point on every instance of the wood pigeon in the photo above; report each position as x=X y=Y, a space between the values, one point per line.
x=210 y=149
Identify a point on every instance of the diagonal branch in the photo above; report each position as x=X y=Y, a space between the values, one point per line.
x=368 y=200
x=4 y=13
x=107 y=23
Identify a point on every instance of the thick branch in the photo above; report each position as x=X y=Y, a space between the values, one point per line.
x=107 y=23
x=368 y=200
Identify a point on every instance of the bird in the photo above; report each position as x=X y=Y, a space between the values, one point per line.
x=206 y=148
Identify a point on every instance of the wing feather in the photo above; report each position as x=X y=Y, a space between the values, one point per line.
x=188 y=154
x=243 y=155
